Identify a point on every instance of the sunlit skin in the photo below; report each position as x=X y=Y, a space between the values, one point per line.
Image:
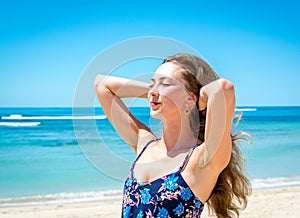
x=168 y=101
x=166 y=94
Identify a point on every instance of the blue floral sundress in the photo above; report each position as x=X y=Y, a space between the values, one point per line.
x=166 y=197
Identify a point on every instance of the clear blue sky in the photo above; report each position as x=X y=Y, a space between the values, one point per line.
x=45 y=45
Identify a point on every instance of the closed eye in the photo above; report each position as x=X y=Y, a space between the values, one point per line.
x=166 y=82
x=163 y=81
x=151 y=85
x=152 y=82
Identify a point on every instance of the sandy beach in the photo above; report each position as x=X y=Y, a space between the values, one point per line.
x=267 y=203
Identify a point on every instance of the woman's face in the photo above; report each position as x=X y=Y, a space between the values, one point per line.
x=167 y=93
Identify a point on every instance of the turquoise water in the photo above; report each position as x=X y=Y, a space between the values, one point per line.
x=41 y=159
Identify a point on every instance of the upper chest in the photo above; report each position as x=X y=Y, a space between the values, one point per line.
x=154 y=164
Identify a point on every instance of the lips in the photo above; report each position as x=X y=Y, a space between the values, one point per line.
x=154 y=104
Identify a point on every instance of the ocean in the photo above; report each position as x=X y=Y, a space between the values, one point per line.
x=56 y=155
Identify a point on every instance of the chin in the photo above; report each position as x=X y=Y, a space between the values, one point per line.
x=155 y=114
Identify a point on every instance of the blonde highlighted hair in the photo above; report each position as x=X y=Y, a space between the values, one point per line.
x=232 y=188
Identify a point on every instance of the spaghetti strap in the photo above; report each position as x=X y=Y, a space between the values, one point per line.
x=187 y=157
x=142 y=151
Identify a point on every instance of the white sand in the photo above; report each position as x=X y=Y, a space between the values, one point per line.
x=269 y=203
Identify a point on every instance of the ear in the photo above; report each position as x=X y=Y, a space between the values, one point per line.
x=191 y=100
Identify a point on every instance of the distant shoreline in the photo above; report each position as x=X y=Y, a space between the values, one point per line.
x=139 y=106
x=115 y=195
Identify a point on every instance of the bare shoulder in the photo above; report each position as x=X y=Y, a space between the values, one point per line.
x=201 y=180
x=195 y=157
x=144 y=137
x=218 y=162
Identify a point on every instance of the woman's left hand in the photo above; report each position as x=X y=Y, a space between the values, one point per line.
x=203 y=98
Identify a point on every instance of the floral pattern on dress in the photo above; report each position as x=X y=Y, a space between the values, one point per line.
x=166 y=197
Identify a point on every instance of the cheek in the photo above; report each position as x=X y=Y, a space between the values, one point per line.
x=169 y=101
x=173 y=98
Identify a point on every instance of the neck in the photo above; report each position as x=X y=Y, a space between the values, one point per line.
x=177 y=135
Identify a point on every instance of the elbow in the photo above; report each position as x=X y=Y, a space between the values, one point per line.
x=99 y=83
x=227 y=88
x=101 y=87
x=226 y=85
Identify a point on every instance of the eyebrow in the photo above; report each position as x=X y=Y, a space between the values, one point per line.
x=161 y=78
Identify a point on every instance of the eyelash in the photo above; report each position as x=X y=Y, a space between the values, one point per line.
x=164 y=84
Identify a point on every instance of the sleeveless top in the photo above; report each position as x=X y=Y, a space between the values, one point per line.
x=166 y=197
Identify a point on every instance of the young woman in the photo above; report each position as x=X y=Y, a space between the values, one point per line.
x=196 y=160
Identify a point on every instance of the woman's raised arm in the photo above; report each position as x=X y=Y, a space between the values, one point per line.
x=219 y=98
x=110 y=90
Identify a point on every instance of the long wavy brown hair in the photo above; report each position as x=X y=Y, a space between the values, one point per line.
x=232 y=188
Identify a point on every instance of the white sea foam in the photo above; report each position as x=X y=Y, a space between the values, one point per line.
x=21 y=117
x=59 y=198
x=62 y=198
x=275 y=182
x=245 y=109
x=19 y=124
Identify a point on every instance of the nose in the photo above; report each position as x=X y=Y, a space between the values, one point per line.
x=153 y=93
